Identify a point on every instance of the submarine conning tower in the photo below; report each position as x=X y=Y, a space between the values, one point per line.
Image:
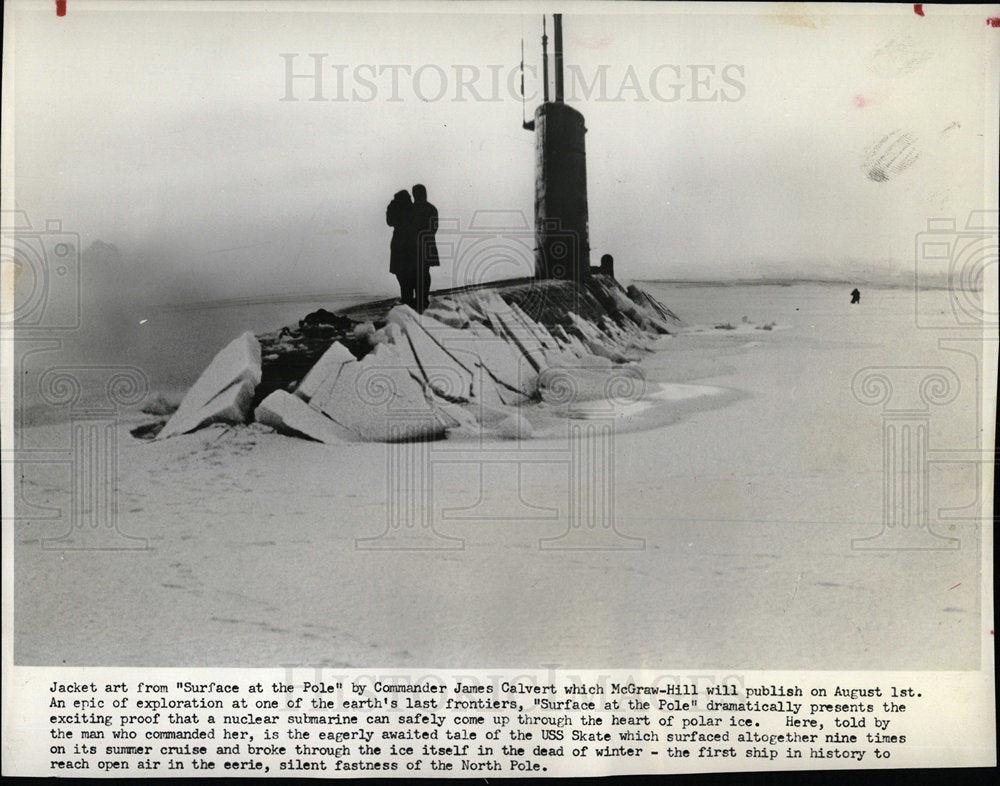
x=562 y=238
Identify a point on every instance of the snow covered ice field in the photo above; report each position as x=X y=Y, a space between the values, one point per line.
x=745 y=501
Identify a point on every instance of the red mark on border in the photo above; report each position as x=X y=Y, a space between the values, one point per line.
x=957 y=585
x=860 y=101
x=60 y=7
x=993 y=21
x=918 y=9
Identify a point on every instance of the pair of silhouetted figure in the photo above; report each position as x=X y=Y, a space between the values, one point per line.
x=413 y=250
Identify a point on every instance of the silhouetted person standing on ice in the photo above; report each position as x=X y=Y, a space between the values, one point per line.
x=856 y=295
x=425 y=226
x=403 y=246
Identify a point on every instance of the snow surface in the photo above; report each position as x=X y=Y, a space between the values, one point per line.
x=746 y=468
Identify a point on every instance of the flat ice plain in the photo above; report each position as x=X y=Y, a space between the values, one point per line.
x=747 y=490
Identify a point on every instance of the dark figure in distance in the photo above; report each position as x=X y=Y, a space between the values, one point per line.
x=425 y=226
x=856 y=295
x=403 y=246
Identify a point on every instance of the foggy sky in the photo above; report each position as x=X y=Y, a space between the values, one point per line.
x=164 y=132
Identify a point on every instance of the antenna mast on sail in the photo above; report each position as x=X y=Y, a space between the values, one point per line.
x=524 y=117
x=557 y=18
x=545 y=63
x=562 y=236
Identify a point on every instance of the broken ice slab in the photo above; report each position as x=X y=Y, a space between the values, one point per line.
x=447 y=313
x=399 y=343
x=595 y=341
x=445 y=354
x=463 y=345
x=539 y=330
x=447 y=375
x=224 y=391
x=511 y=398
x=520 y=336
x=662 y=318
x=455 y=416
x=569 y=343
x=378 y=399
x=491 y=305
x=289 y=414
x=502 y=361
x=448 y=336
x=326 y=367
x=232 y=405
